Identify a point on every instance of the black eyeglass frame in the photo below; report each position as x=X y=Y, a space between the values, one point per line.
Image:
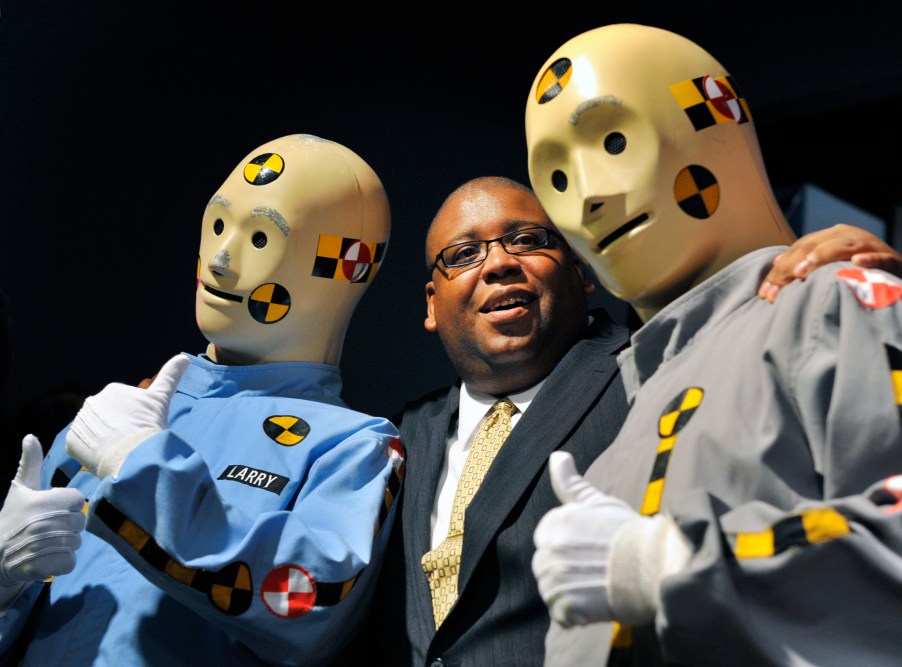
x=485 y=243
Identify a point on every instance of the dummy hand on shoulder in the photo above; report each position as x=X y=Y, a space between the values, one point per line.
x=596 y=558
x=39 y=528
x=113 y=422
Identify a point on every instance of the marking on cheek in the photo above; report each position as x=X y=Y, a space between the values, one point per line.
x=269 y=303
x=697 y=192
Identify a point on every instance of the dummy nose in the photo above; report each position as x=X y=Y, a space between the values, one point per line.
x=221 y=263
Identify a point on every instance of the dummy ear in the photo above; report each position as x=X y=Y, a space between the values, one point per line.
x=429 y=323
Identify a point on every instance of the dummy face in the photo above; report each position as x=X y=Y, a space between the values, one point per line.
x=633 y=135
x=288 y=244
x=506 y=321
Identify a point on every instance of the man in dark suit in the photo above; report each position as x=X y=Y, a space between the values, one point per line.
x=515 y=323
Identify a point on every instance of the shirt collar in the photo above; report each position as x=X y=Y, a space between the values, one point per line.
x=475 y=405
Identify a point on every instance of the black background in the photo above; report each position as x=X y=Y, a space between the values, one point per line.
x=118 y=121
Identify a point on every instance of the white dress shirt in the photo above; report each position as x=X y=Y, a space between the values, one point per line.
x=474 y=407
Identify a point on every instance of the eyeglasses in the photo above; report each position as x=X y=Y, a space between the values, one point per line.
x=518 y=241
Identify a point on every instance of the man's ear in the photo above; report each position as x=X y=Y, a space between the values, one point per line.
x=585 y=273
x=430 y=323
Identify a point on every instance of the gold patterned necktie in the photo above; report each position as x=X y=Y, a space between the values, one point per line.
x=442 y=564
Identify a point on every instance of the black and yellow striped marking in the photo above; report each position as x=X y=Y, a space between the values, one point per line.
x=675 y=416
x=269 y=303
x=697 y=191
x=705 y=110
x=894 y=357
x=340 y=258
x=813 y=526
x=263 y=169
x=287 y=430
x=554 y=80
x=229 y=589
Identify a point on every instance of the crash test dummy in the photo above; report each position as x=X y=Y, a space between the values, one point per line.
x=745 y=514
x=237 y=510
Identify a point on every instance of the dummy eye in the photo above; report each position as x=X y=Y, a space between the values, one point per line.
x=559 y=180
x=217 y=227
x=615 y=143
x=259 y=239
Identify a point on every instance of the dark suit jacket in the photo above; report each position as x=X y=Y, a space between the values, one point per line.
x=499 y=618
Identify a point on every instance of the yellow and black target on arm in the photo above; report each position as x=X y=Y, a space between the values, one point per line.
x=894 y=357
x=675 y=416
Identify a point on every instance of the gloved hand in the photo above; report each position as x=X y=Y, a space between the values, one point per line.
x=113 y=422
x=596 y=558
x=39 y=529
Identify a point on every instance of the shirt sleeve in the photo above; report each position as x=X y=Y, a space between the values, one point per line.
x=290 y=582
x=821 y=583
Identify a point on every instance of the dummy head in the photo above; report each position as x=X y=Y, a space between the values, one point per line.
x=289 y=244
x=642 y=151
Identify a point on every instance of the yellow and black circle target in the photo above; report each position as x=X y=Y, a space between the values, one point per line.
x=230 y=588
x=697 y=191
x=263 y=169
x=269 y=303
x=554 y=80
x=287 y=430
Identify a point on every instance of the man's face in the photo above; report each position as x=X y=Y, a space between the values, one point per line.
x=509 y=319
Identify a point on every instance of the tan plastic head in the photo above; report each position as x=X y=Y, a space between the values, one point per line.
x=643 y=153
x=289 y=244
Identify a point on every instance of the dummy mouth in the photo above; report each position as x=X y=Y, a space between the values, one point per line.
x=617 y=233
x=223 y=295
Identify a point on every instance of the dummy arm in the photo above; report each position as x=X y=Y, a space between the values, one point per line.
x=838 y=243
x=39 y=528
x=113 y=422
x=596 y=558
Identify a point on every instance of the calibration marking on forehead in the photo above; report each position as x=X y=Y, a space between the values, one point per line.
x=274 y=215
x=709 y=100
x=219 y=199
x=604 y=100
x=263 y=169
x=554 y=80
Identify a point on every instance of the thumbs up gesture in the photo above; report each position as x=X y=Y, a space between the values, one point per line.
x=39 y=529
x=113 y=422
x=573 y=546
x=596 y=558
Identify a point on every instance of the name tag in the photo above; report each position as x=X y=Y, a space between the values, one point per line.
x=260 y=479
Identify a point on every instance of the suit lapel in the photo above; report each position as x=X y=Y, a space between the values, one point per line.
x=568 y=393
x=426 y=456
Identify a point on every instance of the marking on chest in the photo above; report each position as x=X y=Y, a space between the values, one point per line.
x=287 y=430
x=260 y=479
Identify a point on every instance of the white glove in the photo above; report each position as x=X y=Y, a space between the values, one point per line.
x=596 y=558
x=113 y=422
x=39 y=529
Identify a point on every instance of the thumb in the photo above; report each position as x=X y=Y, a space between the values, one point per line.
x=168 y=378
x=29 y=472
x=569 y=486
